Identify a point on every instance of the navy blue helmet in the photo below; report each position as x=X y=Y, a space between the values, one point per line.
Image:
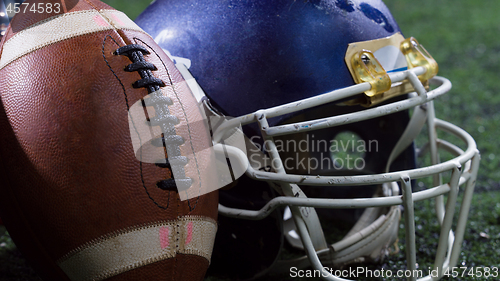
x=322 y=87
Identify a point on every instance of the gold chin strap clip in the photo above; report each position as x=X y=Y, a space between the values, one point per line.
x=416 y=55
x=368 y=69
x=364 y=67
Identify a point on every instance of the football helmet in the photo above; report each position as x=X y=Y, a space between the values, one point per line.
x=330 y=97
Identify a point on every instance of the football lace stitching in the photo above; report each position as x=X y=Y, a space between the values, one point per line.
x=169 y=140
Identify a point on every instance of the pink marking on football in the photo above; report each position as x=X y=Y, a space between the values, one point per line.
x=164 y=242
x=190 y=233
x=117 y=19
x=100 y=21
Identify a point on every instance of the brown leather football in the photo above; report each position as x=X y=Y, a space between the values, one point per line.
x=75 y=194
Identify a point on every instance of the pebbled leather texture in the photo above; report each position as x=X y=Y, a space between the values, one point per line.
x=69 y=172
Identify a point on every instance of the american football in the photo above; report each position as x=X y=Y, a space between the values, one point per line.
x=75 y=196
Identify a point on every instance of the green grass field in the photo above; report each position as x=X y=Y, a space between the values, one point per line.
x=463 y=37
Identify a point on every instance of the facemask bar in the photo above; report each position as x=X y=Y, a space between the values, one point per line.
x=464 y=169
x=333 y=96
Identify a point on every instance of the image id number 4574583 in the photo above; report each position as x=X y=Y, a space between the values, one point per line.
x=16 y=8
x=475 y=272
